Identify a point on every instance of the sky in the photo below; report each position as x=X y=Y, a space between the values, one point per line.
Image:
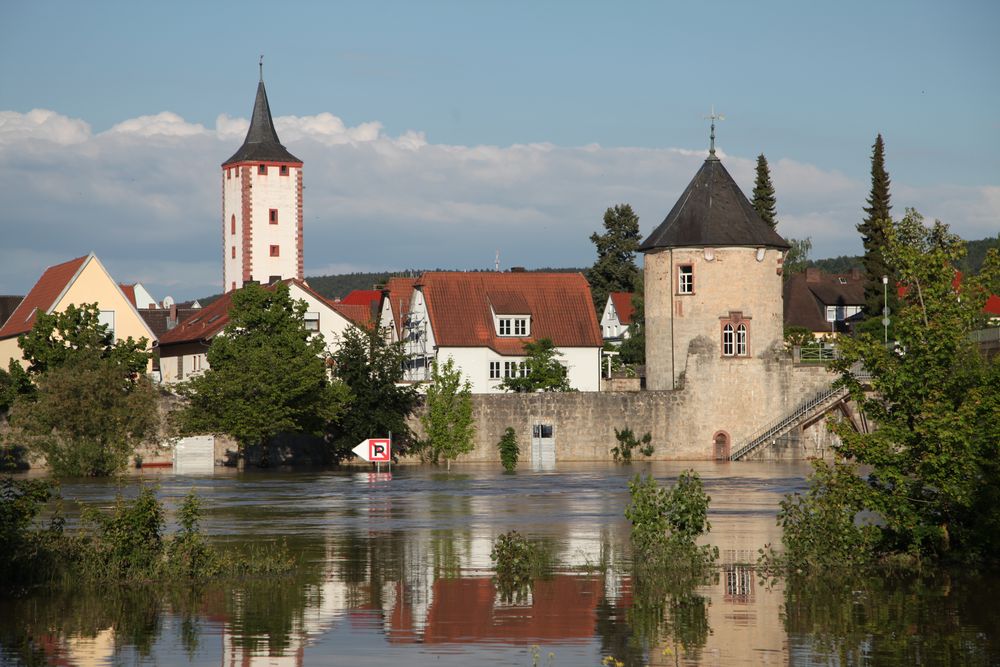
x=436 y=134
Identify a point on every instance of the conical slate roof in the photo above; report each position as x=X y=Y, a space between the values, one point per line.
x=261 y=144
x=713 y=212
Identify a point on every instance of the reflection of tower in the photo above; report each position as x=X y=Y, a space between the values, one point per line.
x=261 y=206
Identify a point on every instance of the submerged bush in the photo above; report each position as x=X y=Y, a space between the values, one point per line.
x=27 y=553
x=662 y=518
x=622 y=452
x=517 y=561
x=509 y=450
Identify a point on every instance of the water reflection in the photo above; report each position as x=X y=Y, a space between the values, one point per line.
x=398 y=570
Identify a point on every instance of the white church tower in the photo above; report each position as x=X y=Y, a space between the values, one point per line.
x=261 y=206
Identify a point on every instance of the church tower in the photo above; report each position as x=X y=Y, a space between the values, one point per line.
x=712 y=286
x=261 y=206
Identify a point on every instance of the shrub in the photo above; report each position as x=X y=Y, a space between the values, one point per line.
x=663 y=518
x=517 y=560
x=627 y=441
x=509 y=449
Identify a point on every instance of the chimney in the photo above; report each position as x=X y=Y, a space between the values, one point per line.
x=812 y=275
x=172 y=317
x=855 y=273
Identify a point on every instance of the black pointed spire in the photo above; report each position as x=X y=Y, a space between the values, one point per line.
x=262 y=143
x=712 y=212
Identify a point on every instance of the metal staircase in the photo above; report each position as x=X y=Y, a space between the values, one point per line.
x=817 y=404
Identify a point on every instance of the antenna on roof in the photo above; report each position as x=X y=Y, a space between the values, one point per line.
x=713 y=117
x=496 y=263
x=260 y=64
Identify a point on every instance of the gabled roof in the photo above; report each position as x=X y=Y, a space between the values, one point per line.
x=461 y=313
x=622 y=301
x=362 y=297
x=399 y=291
x=43 y=296
x=261 y=143
x=712 y=212
x=359 y=314
x=8 y=304
x=128 y=291
x=807 y=294
x=159 y=322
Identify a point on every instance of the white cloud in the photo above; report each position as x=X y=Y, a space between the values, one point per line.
x=145 y=197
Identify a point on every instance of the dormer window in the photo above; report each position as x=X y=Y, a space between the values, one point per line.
x=513 y=326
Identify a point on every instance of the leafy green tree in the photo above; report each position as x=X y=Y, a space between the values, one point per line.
x=56 y=338
x=87 y=417
x=873 y=230
x=615 y=269
x=447 y=417
x=764 y=201
x=541 y=371
x=797 y=258
x=14 y=382
x=267 y=374
x=509 y=450
x=372 y=370
x=933 y=477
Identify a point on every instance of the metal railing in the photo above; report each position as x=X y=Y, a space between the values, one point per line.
x=815 y=354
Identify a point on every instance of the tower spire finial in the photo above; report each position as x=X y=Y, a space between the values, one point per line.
x=260 y=64
x=713 y=117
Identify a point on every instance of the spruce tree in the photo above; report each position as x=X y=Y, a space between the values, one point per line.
x=615 y=269
x=873 y=232
x=763 y=193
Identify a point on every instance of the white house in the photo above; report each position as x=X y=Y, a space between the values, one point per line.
x=184 y=349
x=482 y=321
x=617 y=317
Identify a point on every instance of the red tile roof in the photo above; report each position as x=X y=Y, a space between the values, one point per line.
x=129 y=291
x=359 y=314
x=42 y=296
x=622 y=302
x=992 y=306
x=461 y=307
x=362 y=297
x=399 y=291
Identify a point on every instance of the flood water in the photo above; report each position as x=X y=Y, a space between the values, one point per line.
x=397 y=570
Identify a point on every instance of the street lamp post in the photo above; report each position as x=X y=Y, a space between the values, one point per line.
x=885 y=309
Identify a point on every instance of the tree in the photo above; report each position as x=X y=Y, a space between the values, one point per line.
x=56 y=338
x=14 y=382
x=934 y=480
x=447 y=418
x=873 y=231
x=763 y=194
x=87 y=416
x=267 y=374
x=509 y=450
x=372 y=370
x=615 y=269
x=540 y=371
x=633 y=348
x=797 y=258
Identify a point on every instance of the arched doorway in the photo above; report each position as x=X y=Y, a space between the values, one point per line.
x=720 y=443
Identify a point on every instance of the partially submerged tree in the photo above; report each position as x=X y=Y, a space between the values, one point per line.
x=267 y=374
x=541 y=370
x=372 y=370
x=615 y=269
x=764 y=201
x=509 y=450
x=87 y=416
x=447 y=417
x=933 y=480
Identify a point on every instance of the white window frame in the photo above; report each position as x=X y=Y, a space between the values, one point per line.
x=741 y=340
x=107 y=317
x=728 y=340
x=495 y=370
x=685 y=279
x=514 y=327
x=311 y=321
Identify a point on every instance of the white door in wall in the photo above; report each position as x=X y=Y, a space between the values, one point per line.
x=543 y=447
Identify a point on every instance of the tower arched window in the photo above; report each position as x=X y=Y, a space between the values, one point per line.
x=735 y=335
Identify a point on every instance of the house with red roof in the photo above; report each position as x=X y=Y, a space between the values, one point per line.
x=482 y=320
x=617 y=317
x=184 y=348
x=79 y=281
x=825 y=303
x=395 y=306
x=138 y=295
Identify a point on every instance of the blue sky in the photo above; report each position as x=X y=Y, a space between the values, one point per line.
x=435 y=133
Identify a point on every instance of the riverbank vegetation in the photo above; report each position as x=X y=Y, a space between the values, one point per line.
x=923 y=485
x=127 y=545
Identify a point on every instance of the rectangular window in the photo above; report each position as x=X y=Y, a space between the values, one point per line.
x=505 y=327
x=685 y=279
x=512 y=326
x=232 y=224
x=520 y=327
x=510 y=369
x=272 y=216
x=494 y=370
x=229 y=174
x=233 y=285
x=311 y=321
x=831 y=314
x=232 y=252
x=107 y=318
x=275 y=251
x=262 y=169
x=283 y=170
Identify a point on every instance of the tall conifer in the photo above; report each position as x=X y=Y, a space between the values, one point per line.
x=873 y=231
x=763 y=193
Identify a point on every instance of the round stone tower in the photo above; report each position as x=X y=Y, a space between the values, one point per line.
x=712 y=287
x=261 y=206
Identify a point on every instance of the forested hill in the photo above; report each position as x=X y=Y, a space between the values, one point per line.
x=971 y=263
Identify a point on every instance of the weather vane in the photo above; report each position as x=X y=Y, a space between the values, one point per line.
x=713 y=117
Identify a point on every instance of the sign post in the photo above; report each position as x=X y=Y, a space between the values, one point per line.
x=375 y=450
